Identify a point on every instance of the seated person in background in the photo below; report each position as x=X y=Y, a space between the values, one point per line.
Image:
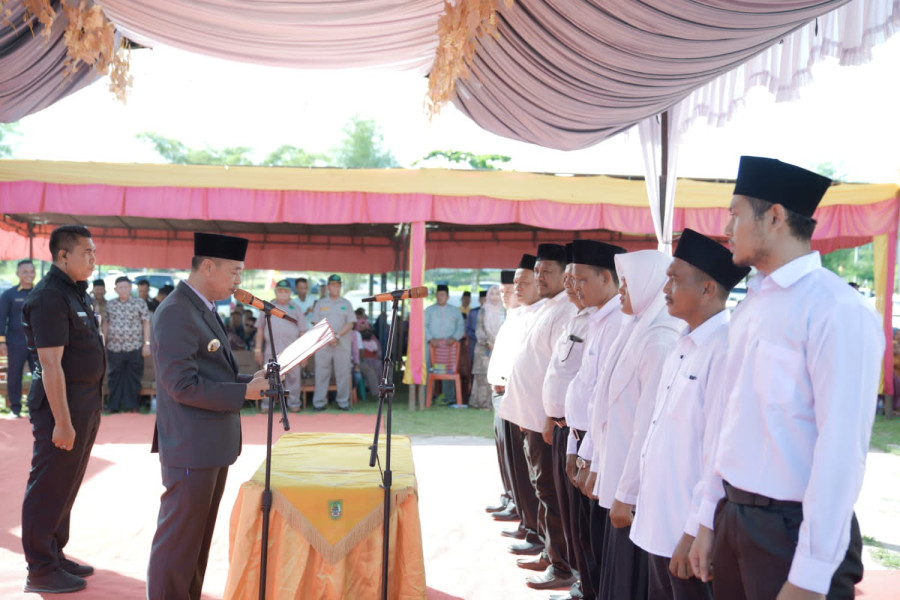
x=236 y=337
x=370 y=366
x=250 y=331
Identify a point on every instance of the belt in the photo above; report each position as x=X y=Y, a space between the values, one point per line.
x=739 y=496
x=560 y=421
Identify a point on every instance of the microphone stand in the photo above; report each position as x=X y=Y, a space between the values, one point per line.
x=275 y=392
x=386 y=395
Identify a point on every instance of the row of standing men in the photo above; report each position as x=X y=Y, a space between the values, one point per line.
x=651 y=444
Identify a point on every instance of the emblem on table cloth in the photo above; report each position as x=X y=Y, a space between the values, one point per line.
x=335 y=509
x=213 y=345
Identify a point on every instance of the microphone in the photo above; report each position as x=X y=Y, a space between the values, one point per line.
x=416 y=292
x=245 y=297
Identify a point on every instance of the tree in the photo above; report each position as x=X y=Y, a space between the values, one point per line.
x=482 y=162
x=362 y=148
x=291 y=156
x=7 y=130
x=178 y=153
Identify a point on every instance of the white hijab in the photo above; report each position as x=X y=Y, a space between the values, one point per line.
x=493 y=313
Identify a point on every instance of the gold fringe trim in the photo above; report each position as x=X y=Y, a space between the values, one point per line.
x=335 y=553
x=90 y=38
x=459 y=28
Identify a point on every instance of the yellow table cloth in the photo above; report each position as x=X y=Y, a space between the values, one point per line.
x=325 y=527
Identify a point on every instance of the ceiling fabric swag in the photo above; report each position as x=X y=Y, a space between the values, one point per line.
x=568 y=75
x=305 y=34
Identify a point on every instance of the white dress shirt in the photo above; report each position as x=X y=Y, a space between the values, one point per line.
x=522 y=403
x=603 y=327
x=672 y=455
x=565 y=361
x=500 y=362
x=804 y=356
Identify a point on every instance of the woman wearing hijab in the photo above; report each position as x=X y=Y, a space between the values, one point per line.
x=490 y=317
x=623 y=404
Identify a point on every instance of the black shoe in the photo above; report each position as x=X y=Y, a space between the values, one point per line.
x=551 y=579
x=73 y=568
x=538 y=563
x=344 y=408
x=319 y=408
x=527 y=548
x=54 y=582
x=517 y=534
x=508 y=514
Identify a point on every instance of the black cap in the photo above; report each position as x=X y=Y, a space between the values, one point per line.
x=777 y=182
x=442 y=287
x=597 y=254
x=711 y=257
x=99 y=282
x=527 y=262
x=283 y=283
x=482 y=294
x=121 y=279
x=507 y=276
x=551 y=252
x=569 y=253
x=215 y=245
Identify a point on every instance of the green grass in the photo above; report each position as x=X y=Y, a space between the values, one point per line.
x=887 y=558
x=886 y=435
x=436 y=421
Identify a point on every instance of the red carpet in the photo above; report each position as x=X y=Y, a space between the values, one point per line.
x=115 y=514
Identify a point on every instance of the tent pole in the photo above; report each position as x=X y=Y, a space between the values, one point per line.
x=663 y=171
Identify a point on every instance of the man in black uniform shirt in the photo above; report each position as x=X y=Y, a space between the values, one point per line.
x=64 y=407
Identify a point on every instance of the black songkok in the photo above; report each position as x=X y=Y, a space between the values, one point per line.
x=597 y=254
x=711 y=257
x=215 y=245
x=507 y=276
x=552 y=252
x=527 y=262
x=482 y=294
x=442 y=287
x=777 y=182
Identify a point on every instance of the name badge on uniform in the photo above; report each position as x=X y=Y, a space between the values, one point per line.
x=324 y=308
x=81 y=313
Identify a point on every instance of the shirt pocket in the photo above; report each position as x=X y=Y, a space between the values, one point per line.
x=777 y=370
x=684 y=403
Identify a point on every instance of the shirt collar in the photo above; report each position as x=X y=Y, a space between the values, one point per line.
x=561 y=297
x=709 y=326
x=611 y=305
x=209 y=305
x=20 y=287
x=790 y=273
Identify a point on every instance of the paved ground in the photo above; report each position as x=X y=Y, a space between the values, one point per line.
x=465 y=555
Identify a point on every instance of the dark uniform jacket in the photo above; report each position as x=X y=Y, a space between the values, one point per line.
x=199 y=393
x=58 y=312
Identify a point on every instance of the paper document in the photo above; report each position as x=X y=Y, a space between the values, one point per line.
x=305 y=346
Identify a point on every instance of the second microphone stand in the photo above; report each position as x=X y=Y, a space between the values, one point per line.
x=276 y=392
x=386 y=396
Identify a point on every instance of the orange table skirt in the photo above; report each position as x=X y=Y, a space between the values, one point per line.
x=314 y=554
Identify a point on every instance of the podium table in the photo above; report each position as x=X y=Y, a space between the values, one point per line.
x=325 y=527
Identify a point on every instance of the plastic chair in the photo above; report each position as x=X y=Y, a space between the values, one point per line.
x=444 y=362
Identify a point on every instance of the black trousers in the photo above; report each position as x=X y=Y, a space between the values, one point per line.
x=665 y=586
x=184 y=529
x=623 y=573
x=562 y=486
x=582 y=527
x=125 y=371
x=17 y=355
x=522 y=490
x=500 y=442
x=740 y=557
x=53 y=484
x=540 y=469
x=598 y=521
